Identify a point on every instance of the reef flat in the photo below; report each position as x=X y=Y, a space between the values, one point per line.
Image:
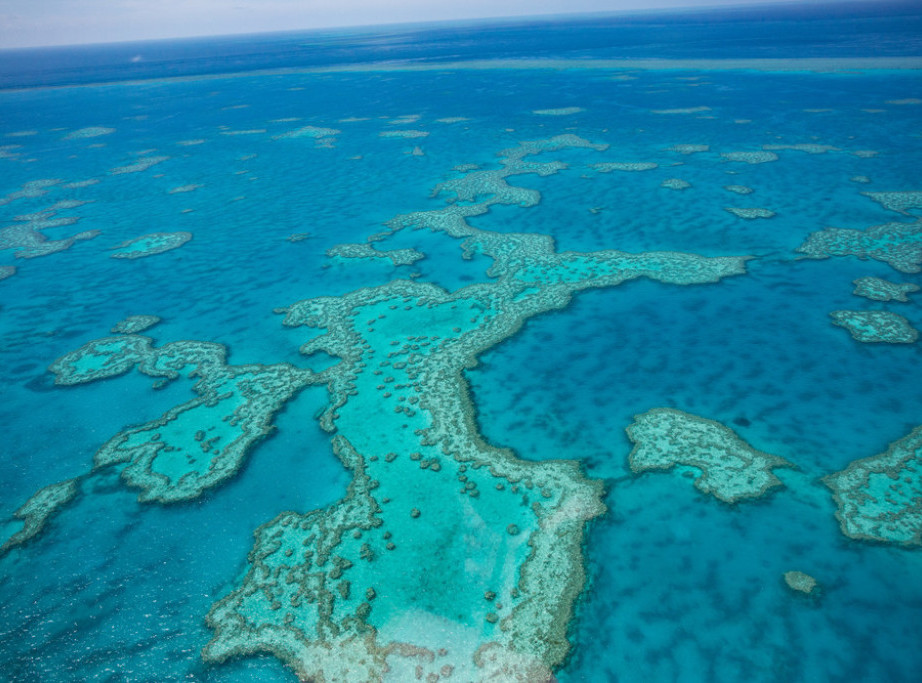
x=800 y=582
x=150 y=245
x=26 y=235
x=197 y=444
x=880 y=498
x=896 y=244
x=36 y=511
x=342 y=594
x=134 y=324
x=750 y=213
x=723 y=465
x=876 y=326
x=399 y=257
x=878 y=289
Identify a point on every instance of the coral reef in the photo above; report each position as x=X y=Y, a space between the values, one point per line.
x=403 y=134
x=750 y=157
x=399 y=257
x=150 y=245
x=340 y=593
x=750 y=213
x=876 y=326
x=90 y=132
x=138 y=166
x=809 y=148
x=197 y=444
x=563 y=111
x=897 y=244
x=800 y=582
x=689 y=149
x=609 y=166
x=878 y=289
x=880 y=498
x=135 y=324
x=726 y=467
x=38 y=509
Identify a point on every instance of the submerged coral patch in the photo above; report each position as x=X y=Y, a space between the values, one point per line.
x=750 y=213
x=403 y=134
x=399 y=257
x=686 y=110
x=27 y=238
x=809 y=148
x=563 y=111
x=878 y=289
x=750 y=157
x=689 y=149
x=876 y=326
x=609 y=166
x=249 y=131
x=134 y=324
x=308 y=132
x=30 y=189
x=897 y=244
x=726 y=467
x=800 y=582
x=880 y=498
x=138 y=166
x=197 y=444
x=900 y=202
x=38 y=509
x=184 y=188
x=90 y=132
x=149 y=245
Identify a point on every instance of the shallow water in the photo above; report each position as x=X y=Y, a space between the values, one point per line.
x=680 y=586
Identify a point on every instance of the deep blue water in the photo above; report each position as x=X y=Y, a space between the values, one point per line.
x=853 y=29
x=681 y=587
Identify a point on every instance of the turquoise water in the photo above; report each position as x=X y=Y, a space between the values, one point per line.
x=679 y=586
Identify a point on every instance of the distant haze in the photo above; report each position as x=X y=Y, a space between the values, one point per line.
x=32 y=23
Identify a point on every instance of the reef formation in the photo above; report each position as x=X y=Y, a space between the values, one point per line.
x=723 y=465
x=447 y=556
x=200 y=443
x=876 y=326
x=880 y=498
x=150 y=245
x=340 y=594
x=135 y=324
x=878 y=289
x=399 y=257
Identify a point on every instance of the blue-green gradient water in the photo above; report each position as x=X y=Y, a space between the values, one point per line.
x=681 y=587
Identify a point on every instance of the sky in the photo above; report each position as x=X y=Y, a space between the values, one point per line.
x=32 y=23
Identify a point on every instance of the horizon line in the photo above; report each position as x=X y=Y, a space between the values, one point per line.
x=760 y=5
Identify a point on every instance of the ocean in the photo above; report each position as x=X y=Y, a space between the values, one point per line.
x=577 y=348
